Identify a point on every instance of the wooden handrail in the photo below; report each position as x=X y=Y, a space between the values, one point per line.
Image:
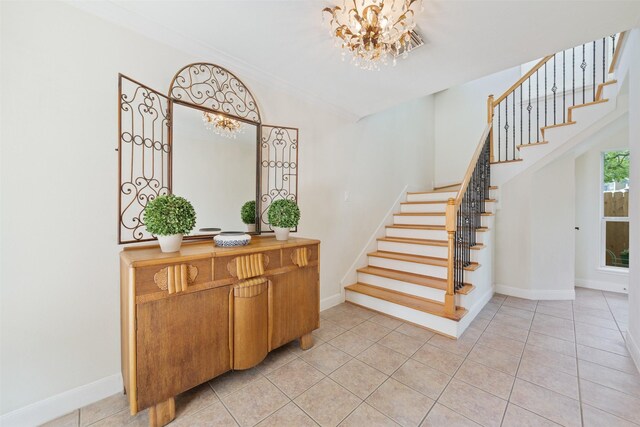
x=471 y=167
x=522 y=79
x=616 y=54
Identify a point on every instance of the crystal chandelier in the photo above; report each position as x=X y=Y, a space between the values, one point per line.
x=222 y=125
x=374 y=30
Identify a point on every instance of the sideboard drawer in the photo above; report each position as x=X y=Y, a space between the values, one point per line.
x=224 y=264
x=153 y=279
x=290 y=256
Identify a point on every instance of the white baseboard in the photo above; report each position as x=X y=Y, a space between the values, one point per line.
x=538 y=294
x=472 y=312
x=602 y=286
x=331 y=301
x=361 y=260
x=55 y=406
x=634 y=349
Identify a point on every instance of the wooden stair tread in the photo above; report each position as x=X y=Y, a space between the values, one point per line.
x=425 y=242
x=417 y=227
x=532 y=144
x=557 y=125
x=435 y=202
x=496 y=162
x=493 y=187
x=432 y=192
x=419 y=214
x=586 y=104
x=447 y=186
x=417 y=303
x=416 y=279
x=418 y=259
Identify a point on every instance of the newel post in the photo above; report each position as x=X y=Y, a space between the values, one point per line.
x=489 y=121
x=450 y=297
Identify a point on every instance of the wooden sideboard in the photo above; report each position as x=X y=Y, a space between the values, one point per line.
x=189 y=316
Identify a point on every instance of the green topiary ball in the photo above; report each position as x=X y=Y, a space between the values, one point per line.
x=248 y=212
x=167 y=215
x=284 y=213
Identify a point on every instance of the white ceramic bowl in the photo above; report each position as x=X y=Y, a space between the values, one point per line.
x=227 y=240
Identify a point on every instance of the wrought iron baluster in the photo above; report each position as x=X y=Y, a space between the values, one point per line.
x=545 y=94
x=537 y=108
x=513 y=125
x=506 y=128
x=554 y=88
x=604 y=58
x=564 y=87
x=499 y=132
x=593 y=86
x=573 y=78
x=521 y=140
x=584 y=68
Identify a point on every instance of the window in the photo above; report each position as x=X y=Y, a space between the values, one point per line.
x=615 y=209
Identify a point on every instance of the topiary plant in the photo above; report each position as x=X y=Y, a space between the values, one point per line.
x=248 y=212
x=284 y=213
x=167 y=215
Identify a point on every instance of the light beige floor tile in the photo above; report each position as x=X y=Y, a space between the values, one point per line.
x=386 y=321
x=371 y=331
x=498 y=298
x=365 y=415
x=275 y=359
x=401 y=343
x=597 y=331
x=295 y=377
x=473 y=332
x=479 y=323
x=608 y=359
x=594 y=417
x=103 y=408
x=485 y=378
x=559 y=361
x=335 y=310
x=294 y=346
x=422 y=378
x=355 y=310
x=68 y=420
x=512 y=332
x=555 y=332
x=255 y=402
x=461 y=346
x=547 y=342
x=400 y=403
x=124 y=418
x=494 y=359
x=542 y=319
x=326 y=358
x=346 y=320
x=516 y=312
x=546 y=403
x=438 y=359
x=289 y=415
x=617 y=346
x=234 y=381
x=579 y=311
x=327 y=330
x=621 y=381
x=440 y=416
x=350 y=343
x=194 y=400
x=519 y=417
x=563 y=313
x=513 y=321
x=548 y=377
x=327 y=402
x=382 y=358
x=359 y=378
x=416 y=332
x=214 y=415
x=498 y=342
x=610 y=400
x=491 y=307
x=521 y=303
x=568 y=305
x=473 y=403
x=588 y=319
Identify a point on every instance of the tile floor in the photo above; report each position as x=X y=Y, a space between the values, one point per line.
x=521 y=363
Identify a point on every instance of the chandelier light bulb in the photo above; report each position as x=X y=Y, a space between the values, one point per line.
x=222 y=125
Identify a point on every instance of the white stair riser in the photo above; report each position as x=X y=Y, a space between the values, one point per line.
x=408 y=248
x=400 y=286
x=424 y=250
x=409 y=267
x=419 y=219
x=436 y=207
x=412 y=233
x=436 y=323
x=422 y=197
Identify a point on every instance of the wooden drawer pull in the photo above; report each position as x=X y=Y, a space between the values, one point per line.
x=175 y=278
x=248 y=266
x=300 y=257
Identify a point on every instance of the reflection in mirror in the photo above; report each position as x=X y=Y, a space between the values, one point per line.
x=214 y=166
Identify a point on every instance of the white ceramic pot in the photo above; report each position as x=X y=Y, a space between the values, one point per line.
x=170 y=243
x=251 y=228
x=281 y=233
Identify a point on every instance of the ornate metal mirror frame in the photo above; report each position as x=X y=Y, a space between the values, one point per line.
x=145 y=140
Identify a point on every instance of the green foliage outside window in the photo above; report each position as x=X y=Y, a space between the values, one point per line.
x=616 y=166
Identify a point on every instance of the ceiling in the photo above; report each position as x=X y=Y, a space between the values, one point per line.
x=285 y=43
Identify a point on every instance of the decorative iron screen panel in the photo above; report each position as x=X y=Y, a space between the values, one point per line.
x=144 y=154
x=213 y=87
x=278 y=168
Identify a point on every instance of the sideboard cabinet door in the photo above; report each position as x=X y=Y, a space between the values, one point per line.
x=182 y=341
x=294 y=303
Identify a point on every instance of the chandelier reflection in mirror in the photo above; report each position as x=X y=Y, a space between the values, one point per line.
x=374 y=31
x=222 y=125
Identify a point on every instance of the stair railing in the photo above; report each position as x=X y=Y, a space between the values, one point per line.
x=464 y=217
x=542 y=96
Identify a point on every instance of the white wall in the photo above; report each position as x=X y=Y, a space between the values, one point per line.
x=588 y=197
x=59 y=273
x=461 y=116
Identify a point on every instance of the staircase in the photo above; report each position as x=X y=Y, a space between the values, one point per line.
x=433 y=267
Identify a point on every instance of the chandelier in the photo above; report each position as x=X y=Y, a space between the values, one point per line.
x=372 y=31
x=222 y=125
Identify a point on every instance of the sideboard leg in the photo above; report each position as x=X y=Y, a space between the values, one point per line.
x=306 y=341
x=162 y=413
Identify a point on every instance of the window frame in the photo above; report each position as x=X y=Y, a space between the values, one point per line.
x=605 y=219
